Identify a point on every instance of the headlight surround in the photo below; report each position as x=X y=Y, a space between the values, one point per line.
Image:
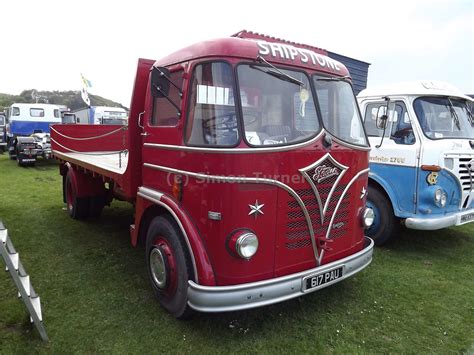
x=440 y=198
x=368 y=217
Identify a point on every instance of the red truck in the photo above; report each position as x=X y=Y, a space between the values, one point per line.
x=247 y=163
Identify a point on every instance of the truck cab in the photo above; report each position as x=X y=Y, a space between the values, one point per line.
x=3 y=132
x=28 y=131
x=247 y=163
x=422 y=157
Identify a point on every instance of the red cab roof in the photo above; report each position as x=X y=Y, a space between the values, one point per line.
x=271 y=49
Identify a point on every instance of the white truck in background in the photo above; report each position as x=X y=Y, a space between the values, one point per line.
x=101 y=115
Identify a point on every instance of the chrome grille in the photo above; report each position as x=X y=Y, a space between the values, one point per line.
x=297 y=233
x=466 y=164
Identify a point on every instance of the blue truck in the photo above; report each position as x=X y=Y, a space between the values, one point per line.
x=27 y=131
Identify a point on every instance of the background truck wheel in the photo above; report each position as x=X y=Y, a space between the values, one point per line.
x=168 y=266
x=385 y=225
x=77 y=207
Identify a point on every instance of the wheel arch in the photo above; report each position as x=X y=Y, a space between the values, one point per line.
x=152 y=204
x=377 y=183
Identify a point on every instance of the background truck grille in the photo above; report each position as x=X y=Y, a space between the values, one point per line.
x=464 y=166
x=297 y=233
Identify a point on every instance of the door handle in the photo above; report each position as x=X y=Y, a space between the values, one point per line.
x=140 y=115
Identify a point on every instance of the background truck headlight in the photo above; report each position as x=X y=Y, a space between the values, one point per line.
x=440 y=197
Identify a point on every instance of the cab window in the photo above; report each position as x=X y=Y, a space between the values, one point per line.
x=212 y=117
x=164 y=112
x=402 y=130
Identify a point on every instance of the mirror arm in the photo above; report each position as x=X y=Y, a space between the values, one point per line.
x=383 y=135
x=168 y=99
x=386 y=122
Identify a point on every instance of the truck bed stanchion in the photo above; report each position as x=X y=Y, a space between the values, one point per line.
x=22 y=281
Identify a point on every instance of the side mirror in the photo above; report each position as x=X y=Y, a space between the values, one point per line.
x=160 y=83
x=382 y=118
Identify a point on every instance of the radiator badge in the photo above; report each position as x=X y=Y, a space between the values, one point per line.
x=323 y=176
x=432 y=178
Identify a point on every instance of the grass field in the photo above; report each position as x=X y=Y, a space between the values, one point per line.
x=417 y=296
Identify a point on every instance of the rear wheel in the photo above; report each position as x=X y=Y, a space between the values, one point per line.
x=77 y=207
x=385 y=225
x=168 y=265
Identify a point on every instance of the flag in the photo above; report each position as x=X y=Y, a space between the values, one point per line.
x=84 y=94
x=86 y=82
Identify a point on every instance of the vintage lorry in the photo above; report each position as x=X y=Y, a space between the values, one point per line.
x=422 y=157
x=28 y=131
x=3 y=133
x=247 y=164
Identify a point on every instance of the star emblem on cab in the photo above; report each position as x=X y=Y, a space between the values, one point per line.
x=256 y=209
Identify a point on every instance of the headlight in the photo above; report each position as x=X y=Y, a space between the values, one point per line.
x=242 y=243
x=368 y=217
x=440 y=197
x=246 y=245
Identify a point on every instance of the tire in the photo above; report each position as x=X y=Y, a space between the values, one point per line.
x=385 y=223
x=77 y=207
x=169 y=266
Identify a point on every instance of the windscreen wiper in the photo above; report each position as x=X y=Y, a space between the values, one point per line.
x=454 y=115
x=277 y=73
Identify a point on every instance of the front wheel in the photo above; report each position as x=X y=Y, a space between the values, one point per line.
x=384 y=227
x=169 y=268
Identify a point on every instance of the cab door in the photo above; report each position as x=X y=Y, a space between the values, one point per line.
x=162 y=126
x=394 y=157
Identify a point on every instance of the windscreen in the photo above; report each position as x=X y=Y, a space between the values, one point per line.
x=444 y=117
x=277 y=105
x=339 y=110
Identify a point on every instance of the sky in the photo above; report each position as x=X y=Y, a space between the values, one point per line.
x=47 y=44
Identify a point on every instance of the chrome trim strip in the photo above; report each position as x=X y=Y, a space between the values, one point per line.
x=349 y=145
x=155 y=196
x=261 y=293
x=323 y=209
x=234 y=150
x=233 y=179
x=342 y=197
x=253 y=150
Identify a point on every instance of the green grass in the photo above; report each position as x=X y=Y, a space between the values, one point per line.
x=416 y=296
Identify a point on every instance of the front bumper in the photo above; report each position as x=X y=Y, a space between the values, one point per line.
x=262 y=293
x=434 y=222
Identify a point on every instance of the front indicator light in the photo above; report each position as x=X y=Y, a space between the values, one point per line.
x=368 y=217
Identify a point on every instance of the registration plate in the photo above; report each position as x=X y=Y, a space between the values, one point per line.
x=318 y=280
x=467 y=217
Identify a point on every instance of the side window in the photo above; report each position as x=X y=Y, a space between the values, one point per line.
x=56 y=113
x=164 y=113
x=370 y=119
x=15 y=111
x=36 y=112
x=402 y=130
x=212 y=117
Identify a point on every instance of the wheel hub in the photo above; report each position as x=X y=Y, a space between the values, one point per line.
x=158 y=267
